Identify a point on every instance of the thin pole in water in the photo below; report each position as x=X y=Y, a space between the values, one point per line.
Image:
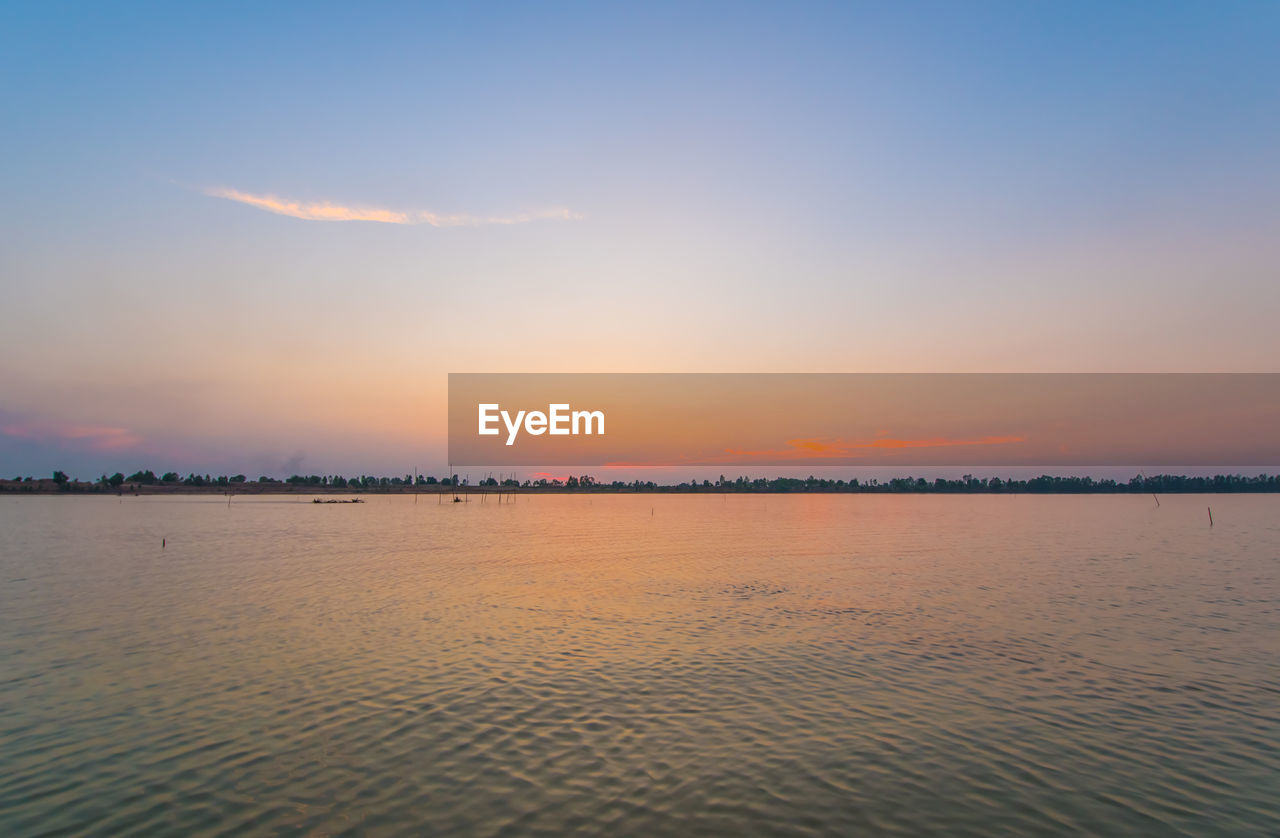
x=1210 y=508
x=1146 y=482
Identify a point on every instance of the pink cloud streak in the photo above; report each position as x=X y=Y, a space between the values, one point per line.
x=328 y=211
x=95 y=437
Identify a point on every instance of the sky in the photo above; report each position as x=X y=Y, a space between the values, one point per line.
x=243 y=237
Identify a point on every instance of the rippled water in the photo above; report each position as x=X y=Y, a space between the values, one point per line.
x=640 y=665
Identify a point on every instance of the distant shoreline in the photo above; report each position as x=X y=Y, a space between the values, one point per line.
x=1044 y=485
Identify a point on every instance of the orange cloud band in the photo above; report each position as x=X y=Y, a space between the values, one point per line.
x=820 y=449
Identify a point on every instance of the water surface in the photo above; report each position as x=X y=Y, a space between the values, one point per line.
x=640 y=665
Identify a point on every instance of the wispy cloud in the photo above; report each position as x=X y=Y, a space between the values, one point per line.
x=94 y=437
x=328 y=211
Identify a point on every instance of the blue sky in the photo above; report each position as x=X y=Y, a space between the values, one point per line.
x=709 y=187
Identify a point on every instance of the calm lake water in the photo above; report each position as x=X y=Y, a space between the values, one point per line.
x=741 y=665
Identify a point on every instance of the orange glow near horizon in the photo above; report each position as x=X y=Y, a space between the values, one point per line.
x=818 y=449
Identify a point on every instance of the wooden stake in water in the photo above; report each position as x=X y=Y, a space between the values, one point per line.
x=1210 y=508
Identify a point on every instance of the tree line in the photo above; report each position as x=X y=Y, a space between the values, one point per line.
x=968 y=484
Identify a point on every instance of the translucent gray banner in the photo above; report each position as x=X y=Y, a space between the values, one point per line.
x=712 y=419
